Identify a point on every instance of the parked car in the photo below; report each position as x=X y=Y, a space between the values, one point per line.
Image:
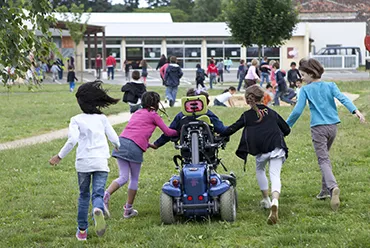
x=341 y=51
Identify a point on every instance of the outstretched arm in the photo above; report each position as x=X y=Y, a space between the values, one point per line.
x=234 y=127
x=298 y=109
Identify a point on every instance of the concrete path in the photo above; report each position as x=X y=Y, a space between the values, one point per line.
x=60 y=134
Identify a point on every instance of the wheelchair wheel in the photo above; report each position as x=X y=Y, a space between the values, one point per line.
x=166 y=209
x=228 y=205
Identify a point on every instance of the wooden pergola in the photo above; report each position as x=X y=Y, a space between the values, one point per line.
x=90 y=30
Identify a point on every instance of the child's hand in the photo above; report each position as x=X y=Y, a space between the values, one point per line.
x=153 y=146
x=55 y=160
x=360 y=116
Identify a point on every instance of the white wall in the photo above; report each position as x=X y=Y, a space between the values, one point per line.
x=343 y=33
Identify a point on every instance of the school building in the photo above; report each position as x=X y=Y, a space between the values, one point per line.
x=137 y=36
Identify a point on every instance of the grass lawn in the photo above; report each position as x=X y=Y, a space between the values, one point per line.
x=25 y=114
x=39 y=202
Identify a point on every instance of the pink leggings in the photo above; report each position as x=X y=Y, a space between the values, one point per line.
x=126 y=169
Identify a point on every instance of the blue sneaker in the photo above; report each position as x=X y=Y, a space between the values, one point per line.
x=99 y=220
x=81 y=235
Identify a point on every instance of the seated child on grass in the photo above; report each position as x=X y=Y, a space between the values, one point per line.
x=225 y=96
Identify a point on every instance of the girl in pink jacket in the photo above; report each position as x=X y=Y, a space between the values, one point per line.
x=134 y=141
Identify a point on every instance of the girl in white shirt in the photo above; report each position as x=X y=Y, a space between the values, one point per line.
x=89 y=130
x=225 y=97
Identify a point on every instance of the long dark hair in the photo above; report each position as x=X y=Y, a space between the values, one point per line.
x=151 y=100
x=92 y=97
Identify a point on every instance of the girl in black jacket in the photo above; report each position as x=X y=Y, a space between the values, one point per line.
x=263 y=137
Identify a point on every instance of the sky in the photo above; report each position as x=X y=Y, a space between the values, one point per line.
x=143 y=3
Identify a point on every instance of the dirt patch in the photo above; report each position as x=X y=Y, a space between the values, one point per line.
x=239 y=100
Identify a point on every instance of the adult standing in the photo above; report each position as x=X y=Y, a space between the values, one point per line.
x=162 y=61
x=172 y=80
x=111 y=63
x=98 y=65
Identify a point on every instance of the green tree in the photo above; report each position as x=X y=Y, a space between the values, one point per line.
x=19 y=22
x=206 y=10
x=157 y=3
x=184 y=5
x=127 y=6
x=261 y=22
x=177 y=14
x=74 y=21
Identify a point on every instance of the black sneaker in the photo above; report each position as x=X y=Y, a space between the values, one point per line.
x=323 y=195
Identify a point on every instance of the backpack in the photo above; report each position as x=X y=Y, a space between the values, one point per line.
x=200 y=76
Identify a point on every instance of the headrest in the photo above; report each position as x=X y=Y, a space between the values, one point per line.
x=194 y=104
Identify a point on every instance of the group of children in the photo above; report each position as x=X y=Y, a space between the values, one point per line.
x=263 y=137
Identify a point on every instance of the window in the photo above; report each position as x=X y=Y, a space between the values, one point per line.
x=152 y=53
x=134 y=53
x=175 y=51
x=271 y=52
x=191 y=63
x=232 y=52
x=112 y=41
x=215 y=52
x=193 y=52
x=252 y=52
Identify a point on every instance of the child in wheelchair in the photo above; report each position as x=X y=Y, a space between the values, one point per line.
x=180 y=119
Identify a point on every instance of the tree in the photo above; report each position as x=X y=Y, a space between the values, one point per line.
x=261 y=22
x=177 y=14
x=157 y=3
x=184 y=5
x=206 y=10
x=20 y=43
x=74 y=22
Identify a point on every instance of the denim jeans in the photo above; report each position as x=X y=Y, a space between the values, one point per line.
x=212 y=78
x=285 y=96
x=220 y=76
x=98 y=73
x=265 y=76
x=72 y=85
x=241 y=79
x=60 y=74
x=111 y=70
x=171 y=93
x=99 y=179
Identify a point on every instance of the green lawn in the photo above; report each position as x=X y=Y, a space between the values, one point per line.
x=39 y=202
x=25 y=114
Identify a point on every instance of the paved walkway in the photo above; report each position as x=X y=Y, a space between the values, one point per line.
x=60 y=134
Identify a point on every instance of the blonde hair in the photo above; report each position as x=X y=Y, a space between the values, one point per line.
x=254 y=62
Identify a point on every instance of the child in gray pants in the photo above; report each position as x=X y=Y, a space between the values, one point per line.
x=324 y=120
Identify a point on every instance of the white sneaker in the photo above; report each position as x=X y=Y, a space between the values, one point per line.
x=273 y=217
x=265 y=203
x=128 y=213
